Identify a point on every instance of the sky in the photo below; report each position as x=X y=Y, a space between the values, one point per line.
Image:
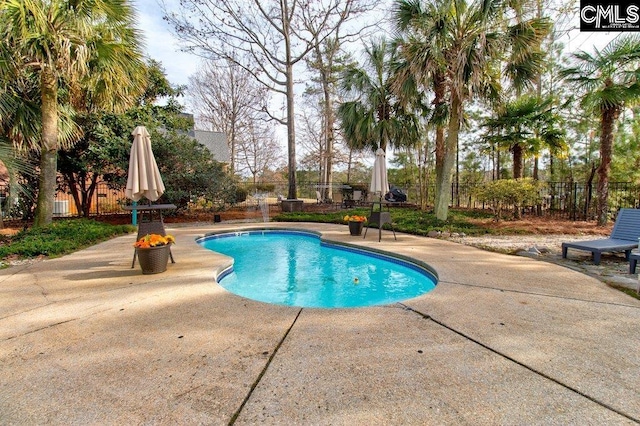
x=161 y=44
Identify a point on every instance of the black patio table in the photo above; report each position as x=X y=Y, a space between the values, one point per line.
x=380 y=218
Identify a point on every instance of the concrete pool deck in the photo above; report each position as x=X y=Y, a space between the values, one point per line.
x=501 y=340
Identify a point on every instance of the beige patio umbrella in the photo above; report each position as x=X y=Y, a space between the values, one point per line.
x=379 y=182
x=380 y=186
x=144 y=178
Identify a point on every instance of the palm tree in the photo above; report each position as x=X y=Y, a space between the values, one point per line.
x=68 y=45
x=20 y=129
x=525 y=125
x=454 y=48
x=608 y=81
x=374 y=119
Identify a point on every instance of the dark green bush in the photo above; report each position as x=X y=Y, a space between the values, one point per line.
x=60 y=237
x=508 y=193
x=241 y=195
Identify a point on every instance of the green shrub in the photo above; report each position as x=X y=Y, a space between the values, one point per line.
x=240 y=195
x=505 y=193
x=60 y=237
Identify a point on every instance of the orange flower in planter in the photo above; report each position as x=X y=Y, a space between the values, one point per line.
x=355 y=218
x=154 y=240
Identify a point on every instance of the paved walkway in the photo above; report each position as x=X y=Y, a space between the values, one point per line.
x=504 y=340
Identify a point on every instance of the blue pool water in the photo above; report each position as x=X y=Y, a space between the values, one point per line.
x=296 y=268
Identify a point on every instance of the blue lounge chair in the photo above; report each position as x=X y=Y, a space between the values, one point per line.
x=624 y=237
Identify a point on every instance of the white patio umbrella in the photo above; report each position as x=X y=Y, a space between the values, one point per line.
x=144 y=178
x=380 y=186
x=379 y=183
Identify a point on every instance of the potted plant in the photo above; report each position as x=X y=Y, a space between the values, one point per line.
x=153 y=252
x=356 y=223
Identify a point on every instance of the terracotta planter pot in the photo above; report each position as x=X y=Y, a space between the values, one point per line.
x=153 y=260
x=355 y=228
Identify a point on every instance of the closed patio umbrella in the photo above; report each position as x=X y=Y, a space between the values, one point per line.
x=379 y=185
x=379 y=182
x=144 y=178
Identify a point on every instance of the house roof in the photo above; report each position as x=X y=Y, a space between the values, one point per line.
x=216 y=142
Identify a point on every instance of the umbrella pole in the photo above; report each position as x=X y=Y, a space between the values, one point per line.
x=134 y=214
x=380 y=225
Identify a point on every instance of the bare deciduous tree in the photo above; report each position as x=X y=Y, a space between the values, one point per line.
x=227 y=99
x=258 y=151
x=327 y=60
x=315 y=142
x=311 y=138
x=272 y=35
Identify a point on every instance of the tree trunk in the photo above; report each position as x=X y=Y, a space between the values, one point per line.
x=88 y=194
x=329 y=121
x=606 y=146
x=439 y=87
x=75 y=192
x=443 y=179
x=518 y=169
x=457 y=204
x=440 y=154
x=518 y=166
x=81 y=191
x=498 y=174
x=424 y=174
x=589 y=194
x=232 y=145
x=291 y=129
x=49 y=150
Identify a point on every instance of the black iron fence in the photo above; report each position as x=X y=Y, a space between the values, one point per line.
x=103 y=201
x=568 y=200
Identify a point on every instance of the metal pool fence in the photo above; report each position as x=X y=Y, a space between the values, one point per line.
x=566 y=200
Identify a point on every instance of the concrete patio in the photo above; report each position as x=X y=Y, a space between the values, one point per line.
x=501 y=340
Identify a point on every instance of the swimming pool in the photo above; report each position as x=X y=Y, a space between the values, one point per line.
x=297 y=268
